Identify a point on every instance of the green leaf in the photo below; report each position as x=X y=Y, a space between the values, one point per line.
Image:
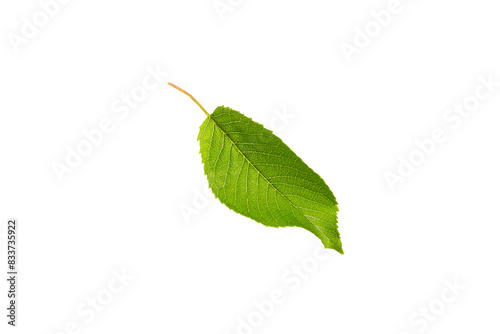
x=255 y=174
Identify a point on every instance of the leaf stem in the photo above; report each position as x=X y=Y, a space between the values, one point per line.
x=191 y=96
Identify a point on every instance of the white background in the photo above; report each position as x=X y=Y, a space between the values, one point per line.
x=120 y=208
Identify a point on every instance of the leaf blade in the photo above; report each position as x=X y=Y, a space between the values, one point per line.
x=254 y=173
